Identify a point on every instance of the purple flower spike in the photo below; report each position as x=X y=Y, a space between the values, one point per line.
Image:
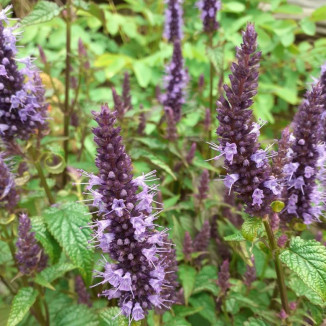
x=142 y=122
x=175 y=82
x=30 y=257
x=142 y=260
x=126 y=96
x=250 y=274
x=173 y=20
x=224 y=277
x=22 y=108
x=80 y=288
x=118 y=105
x=203 y=186
x=187 y=246
x=201 y=241
x=304 y=196
x=171 y=131
x=191 y=154
x=8 y=194
x=209 y=9
x=249 y=173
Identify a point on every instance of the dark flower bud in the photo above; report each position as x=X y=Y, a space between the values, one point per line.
x=80 y=288
x=187 y=247
x=224 y=277
x=282 y=241
x=203 y=186
x=191 y=154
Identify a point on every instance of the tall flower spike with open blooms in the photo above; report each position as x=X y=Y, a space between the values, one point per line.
x=249 y=173
x=141 y=271
x=175 y=82
x=8 y=194
x=22 y=107
x=209 y=9
x=30 y=256
x=173 y=20
x=303 y=198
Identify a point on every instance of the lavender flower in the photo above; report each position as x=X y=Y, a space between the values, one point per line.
x=201 y=241
x=22 y=108
x=250 y=275
x=224 y=277
x=142 y=274
x=171 y=131
x=126 y=96
x=118 y=105
x=203 y=186
x=191 y=154
x=8 y=195
x=175 y=81
x=209 y=9
x=249 y=173
x=173 y=20
x=80 y=288
x=30 y=257
x=142 y=122
x=303 y=195
x=187 y=247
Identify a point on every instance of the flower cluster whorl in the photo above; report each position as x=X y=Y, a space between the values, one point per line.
x=209 y=9
x=22 y=107
x=249 y=172
x=30 y=256
x=303 y=196
x=175 y=82
x=173 y=20
x=142 y=274
x=8 y=195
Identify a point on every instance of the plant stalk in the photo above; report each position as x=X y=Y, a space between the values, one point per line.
x=278 y=266
x=67 y=87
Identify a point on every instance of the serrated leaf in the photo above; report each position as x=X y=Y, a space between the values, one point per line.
x=308 y=260
x=50 y=274
x=235 y=237
x=49 y=244
x=107 y=318
x=250 y=228
x=64 y=222
x=187 y=276
x=21 y=304
x=207 y=303
x=42 y=12
x=302 y=290
x=76 y=315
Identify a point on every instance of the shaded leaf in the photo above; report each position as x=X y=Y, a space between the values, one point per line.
x=42 y=12
x=187 y=276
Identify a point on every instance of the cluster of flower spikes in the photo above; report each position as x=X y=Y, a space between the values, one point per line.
x=143 y=273
x=22 y=107
x=175 y=81
x=173 y=20
x=209 y=9
x=249 y=173
x=304 y=198
x=8 y=194
x=30 y=256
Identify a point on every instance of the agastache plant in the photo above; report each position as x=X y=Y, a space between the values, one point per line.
x=175 y=82
x=249 y=173
x=173 y=20
x=8 y=194
x=304 y=198
x=142 y=266
x=209 y=9
x=23 y=111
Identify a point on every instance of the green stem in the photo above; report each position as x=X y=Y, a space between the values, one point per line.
x=8 y=285
x=211 y=82
x=67 y=87
x=278 y=266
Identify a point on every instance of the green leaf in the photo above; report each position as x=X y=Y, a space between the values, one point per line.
x=302 y=290
x=308 y=260
x=49 y=244
x=64 y=222
x=289 y=9
x=277 y=206
x=319 y=14
x=207 y=303
x=206 y=280
x=187 y=276
x=234 y=6
x=21 y=304
x=235 y=237
x=143 y=73
x=50 y=274
x=42 y=12
x=107 y=318
x=255 y=322
x=250 y=228
x=156 y=161
x=308 y=26
x=75 y=315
